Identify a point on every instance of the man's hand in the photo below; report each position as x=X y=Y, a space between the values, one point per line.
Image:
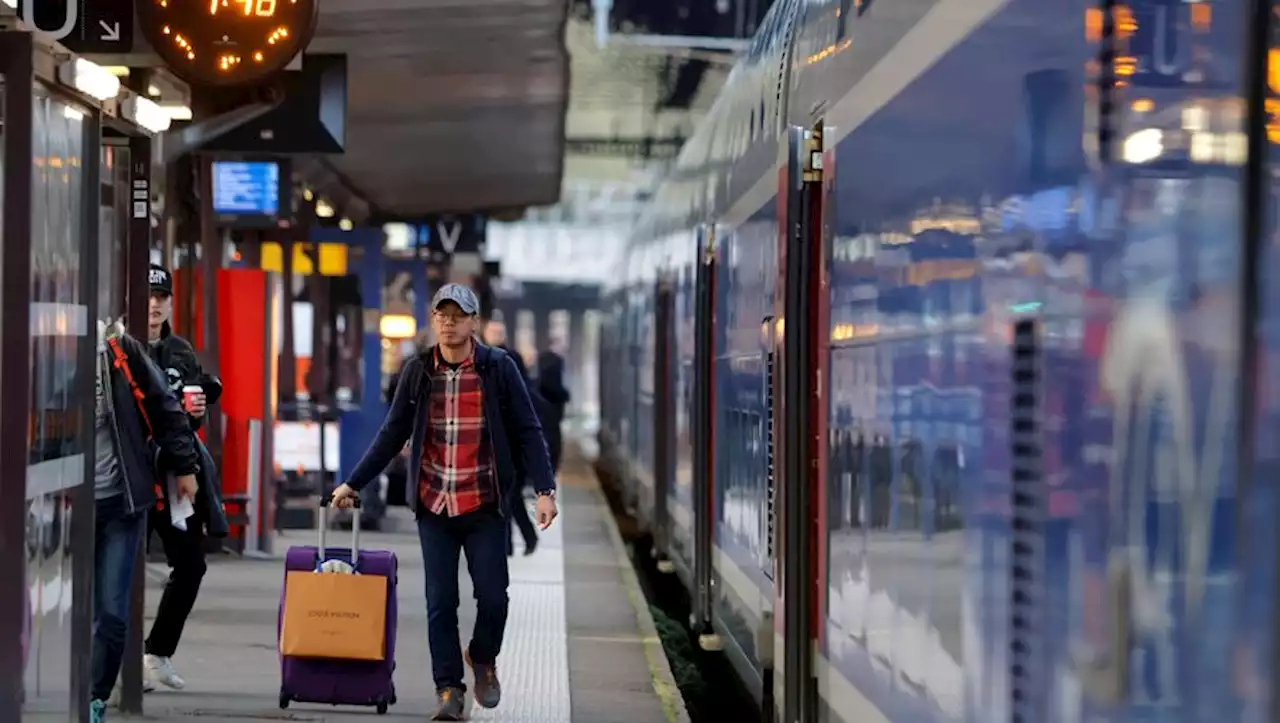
x=545 y=511
x=196 y=405
x=187 y=487
x=343 y=496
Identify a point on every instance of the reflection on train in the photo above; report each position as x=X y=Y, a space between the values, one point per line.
x=938 y=367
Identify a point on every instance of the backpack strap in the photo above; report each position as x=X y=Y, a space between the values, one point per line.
x=121 y=362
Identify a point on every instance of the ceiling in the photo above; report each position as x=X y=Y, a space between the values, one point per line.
x=453 y=105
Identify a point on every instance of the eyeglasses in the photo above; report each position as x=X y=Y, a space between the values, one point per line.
x=444 y=318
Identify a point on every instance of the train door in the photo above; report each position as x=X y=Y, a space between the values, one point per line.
x=801 y=421
x=704 y=427
x=663 y=417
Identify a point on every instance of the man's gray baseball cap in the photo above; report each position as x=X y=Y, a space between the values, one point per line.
x=457 y=293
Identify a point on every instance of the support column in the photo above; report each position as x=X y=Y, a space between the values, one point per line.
x=137 y=293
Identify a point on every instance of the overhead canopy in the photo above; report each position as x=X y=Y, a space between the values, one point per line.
x=453 y=105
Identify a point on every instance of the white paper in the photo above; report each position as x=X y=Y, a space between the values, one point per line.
x=180 y=508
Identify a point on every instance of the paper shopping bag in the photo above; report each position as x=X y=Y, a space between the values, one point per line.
x=332 y=615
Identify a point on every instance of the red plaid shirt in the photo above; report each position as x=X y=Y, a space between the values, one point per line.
x=456 y=474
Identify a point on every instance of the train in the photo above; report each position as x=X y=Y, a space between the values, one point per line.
x=938 y=367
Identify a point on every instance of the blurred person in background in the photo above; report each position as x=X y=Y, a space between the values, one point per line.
x=183 y=549
x=495 y=335
x=551 y=388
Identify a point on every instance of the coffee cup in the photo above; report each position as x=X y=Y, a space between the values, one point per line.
x=189 y=394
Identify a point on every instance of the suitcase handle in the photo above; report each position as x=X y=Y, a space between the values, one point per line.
x=322 y=517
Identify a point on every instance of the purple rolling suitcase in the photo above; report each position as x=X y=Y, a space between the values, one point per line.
x=341 y=682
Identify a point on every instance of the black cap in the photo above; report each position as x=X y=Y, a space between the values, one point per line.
x=161 y=280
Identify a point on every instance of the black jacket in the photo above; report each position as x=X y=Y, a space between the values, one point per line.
x=551 y=385
x=509 y=417
x=172 y=447
x=177 y=360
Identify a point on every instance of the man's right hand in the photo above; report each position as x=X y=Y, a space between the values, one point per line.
x=343 y=496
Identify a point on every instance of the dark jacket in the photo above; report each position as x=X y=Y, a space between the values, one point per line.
x=551 y=384
x=177 y=360
x=509 y=417
x=539 y=404
x=172 y=449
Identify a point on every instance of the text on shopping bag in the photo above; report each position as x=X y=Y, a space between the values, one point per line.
x=334 y=615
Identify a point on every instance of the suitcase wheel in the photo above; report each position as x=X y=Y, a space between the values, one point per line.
x=382 y=708
x=285 y=699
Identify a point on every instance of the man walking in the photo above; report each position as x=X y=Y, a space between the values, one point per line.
x=134 y=414
x=464 y=409
x=183 y=548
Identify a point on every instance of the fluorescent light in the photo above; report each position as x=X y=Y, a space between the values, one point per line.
x=397 y=326
x=177 y=111
x=345 y=224
x=323 y=209
x=119 y=71
x=147 y=114
x=89 y=78
x=1143 y=146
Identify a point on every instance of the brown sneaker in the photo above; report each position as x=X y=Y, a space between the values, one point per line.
x=452 y=704
x=488 y=689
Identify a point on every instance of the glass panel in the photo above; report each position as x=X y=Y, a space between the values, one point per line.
x=113 y=229
x=56 y=462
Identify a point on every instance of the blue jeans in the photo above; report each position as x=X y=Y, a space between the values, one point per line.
x=483 y=535
x=117 y=534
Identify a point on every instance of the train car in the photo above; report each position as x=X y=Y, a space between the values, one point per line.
x=939 y=369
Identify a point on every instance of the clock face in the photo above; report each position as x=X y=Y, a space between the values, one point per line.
x=227 y=42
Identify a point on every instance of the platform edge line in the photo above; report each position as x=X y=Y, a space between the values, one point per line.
x=664 y=683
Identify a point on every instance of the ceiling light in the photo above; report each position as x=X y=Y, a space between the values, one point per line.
x=119 y=71
x=308 y=195
x=153 y=90
x=89 y=78
x=345 y=224
x=323 y=209
x=146 y=113
x=177 y=111
x=11 y=3
x=72 y=113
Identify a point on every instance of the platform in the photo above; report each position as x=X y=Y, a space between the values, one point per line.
x=580 y=644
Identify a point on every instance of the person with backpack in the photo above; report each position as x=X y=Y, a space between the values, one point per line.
x=464 y=409
x=141 y=433
x=183 y=548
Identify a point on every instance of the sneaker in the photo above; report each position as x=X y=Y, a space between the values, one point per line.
x=452 y=704
x=488 y=689
x=160 y=670
x=97 y=711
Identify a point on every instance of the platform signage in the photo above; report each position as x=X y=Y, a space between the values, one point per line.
x=101 y=26
x=246 y=188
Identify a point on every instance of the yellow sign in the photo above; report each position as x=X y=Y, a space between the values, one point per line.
x=332 y=258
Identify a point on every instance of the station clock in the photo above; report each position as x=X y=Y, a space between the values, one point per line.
x=227 y=42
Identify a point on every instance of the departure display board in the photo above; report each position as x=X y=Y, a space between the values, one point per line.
x=227 y=42
x=250 y=193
